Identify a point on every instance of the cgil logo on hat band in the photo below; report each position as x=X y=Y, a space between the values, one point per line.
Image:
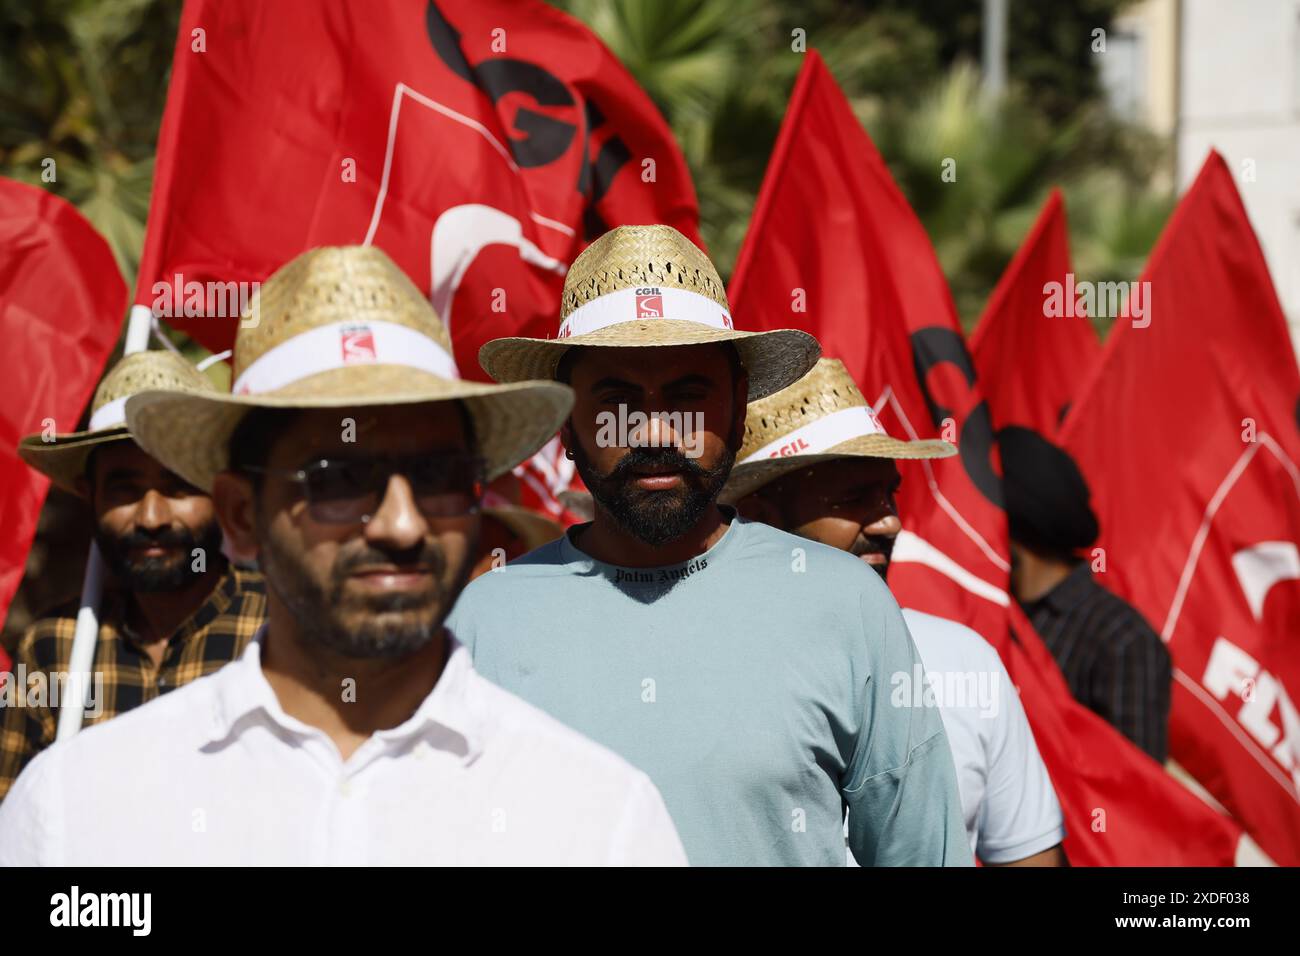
x=822 y=434
x=647 y=302
x=342 y=344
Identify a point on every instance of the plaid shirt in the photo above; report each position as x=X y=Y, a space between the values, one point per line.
x=1113 y=661
x=212 y=636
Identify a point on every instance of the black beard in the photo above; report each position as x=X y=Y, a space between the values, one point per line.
x=156 y=575
x=381 y=631
x=865 y=544
x=655 y=517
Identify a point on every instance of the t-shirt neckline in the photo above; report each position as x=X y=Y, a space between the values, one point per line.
x=659 y=575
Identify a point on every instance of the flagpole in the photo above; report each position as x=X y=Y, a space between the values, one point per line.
x=86 y=636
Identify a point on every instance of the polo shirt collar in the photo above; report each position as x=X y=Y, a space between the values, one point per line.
x=217 y=603
x=447 y=718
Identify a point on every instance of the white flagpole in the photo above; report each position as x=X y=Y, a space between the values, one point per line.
x=82 y=660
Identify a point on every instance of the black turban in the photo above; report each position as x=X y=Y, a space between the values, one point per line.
x=1047 y=499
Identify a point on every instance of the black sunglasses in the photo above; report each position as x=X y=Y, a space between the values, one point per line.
x=350 y=490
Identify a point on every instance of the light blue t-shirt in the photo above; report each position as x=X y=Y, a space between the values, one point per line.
x=752 y=684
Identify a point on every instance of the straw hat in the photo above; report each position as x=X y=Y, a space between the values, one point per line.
x=339 y=327
x=643 y=286
x=821 y=417
x=64 y=458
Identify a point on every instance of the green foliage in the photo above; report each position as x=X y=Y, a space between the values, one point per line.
x=723 y=82
x=83 y=82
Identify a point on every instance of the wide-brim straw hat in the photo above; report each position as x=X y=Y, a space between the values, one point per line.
x=648 y=286
x=342 y=327
x=822 y=417
x=64 y=457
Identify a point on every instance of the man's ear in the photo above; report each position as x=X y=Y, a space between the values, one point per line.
x=756 y=507
x=740 y=396
x=235 y=502
x=566 y=436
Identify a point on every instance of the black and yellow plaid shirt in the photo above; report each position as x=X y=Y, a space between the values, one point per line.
x=213 y=635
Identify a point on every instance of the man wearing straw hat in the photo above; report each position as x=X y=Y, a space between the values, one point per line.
x=349 y=462
x=817 y=462
x=742 y=668
x=176 y=609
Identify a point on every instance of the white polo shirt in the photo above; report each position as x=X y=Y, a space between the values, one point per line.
x=1007 y=799
x=215 y=773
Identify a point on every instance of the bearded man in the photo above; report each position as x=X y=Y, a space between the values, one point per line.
x=746 y=670
x=174 y=608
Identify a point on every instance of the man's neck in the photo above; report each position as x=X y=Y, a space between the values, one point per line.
x=1036 y=575
x=348 y=698
x=159 y=614
x=605 y=541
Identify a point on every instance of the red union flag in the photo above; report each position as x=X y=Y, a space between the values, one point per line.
x=835 y=249
x=1188 y=433
x=481 y=143
x=62 y=299
x=1034 y=345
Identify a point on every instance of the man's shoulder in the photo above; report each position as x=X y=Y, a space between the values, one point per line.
x=1122 y=623
x=536 y=735
x=790 y=552
x=949 y=642
x=544 y=562
x=162 y=729
x=47 y=641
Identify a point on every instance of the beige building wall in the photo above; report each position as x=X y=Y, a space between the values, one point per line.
x=1223 y=74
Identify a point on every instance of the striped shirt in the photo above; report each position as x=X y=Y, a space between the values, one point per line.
x=212 y=636
x=1114 y=663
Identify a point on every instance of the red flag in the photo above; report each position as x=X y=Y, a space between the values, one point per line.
x=1034 y=343
x=1188 y=433
x=480 y=143
x=835 y=249
x=61 y=304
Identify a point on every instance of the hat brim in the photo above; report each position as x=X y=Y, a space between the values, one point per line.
x=64 y=459
x=532 y=529
x=190 y=433
x=773 y=359
x=749 y=477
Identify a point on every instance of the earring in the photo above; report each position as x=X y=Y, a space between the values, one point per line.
x=568 y=454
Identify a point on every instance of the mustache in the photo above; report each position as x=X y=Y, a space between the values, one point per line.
x=426 y=556
x=168 y=537
x=872 y=544
x=673 y=458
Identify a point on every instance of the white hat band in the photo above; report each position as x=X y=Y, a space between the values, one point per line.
x=822 y=434
x=340 y=345
x=109 y=415
x=648 y=302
